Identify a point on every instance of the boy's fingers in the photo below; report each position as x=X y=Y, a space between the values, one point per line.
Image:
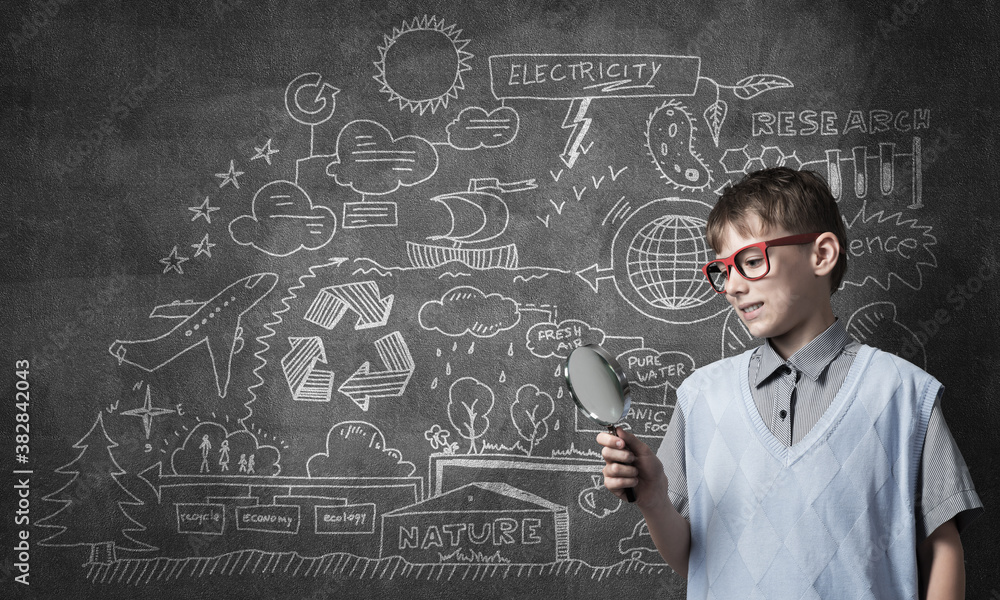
x=616 y=469
x=627 y=436
x=620 y=456
x=619 y=483
x=609 y=441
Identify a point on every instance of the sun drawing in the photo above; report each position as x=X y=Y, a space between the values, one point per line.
x=420 y=65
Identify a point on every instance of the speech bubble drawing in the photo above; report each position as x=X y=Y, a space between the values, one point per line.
x=884 y=247
x=283 y=221
x=559 y=339
x=653 y=369
x=476 y=128
x=371 y=161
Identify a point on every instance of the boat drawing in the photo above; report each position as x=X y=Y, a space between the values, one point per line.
x=478 y=215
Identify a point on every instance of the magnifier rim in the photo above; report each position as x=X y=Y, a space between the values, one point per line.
x=616 y=370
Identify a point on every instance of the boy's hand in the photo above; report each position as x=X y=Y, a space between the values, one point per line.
x=629 y=463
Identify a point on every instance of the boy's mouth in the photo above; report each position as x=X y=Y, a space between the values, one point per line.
x=749 y=309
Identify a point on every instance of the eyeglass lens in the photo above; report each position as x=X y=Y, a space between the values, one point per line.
x=751 y=263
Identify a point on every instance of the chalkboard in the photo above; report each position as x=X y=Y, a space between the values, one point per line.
x=287 y=286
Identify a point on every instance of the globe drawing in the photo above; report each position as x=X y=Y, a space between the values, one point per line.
x=664 y=262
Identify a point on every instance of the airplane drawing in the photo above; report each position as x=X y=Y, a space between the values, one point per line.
x=215 y=323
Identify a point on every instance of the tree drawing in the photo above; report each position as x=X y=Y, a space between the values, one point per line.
x=93 y=511
x=469 y=401
x=529 y=413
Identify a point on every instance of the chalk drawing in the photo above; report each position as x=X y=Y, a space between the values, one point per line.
x=470 y=402
x=670 y=139
x=203 y=210
x=272 y=326
x=310 y=101
x=397 y=369
x=476 y=128
x=870 y=174
x=203 y=247
x=596 y=501
x=305 y=381
x=468 y=310
x=147 y=412
x=230 y=177
x=173 y=262
x=438 y=438
x=736 y=338
x=557 y=340
x=198 y=454
x=582 y=78
x=482 y=523
x=877 y=324
x=427 y=86
x=639 y=545
x=265 y=152
x=530 y=412
x=94 y=502
x=364 y=444
x=883 y=247
x=362 y=298
x=370 y=160
x=648 y=368
x=284 y=221
x=216 y=324
x=657 y=254
x=477 y=215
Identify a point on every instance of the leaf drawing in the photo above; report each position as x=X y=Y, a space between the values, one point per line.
x=754 y=85
x=715 y=116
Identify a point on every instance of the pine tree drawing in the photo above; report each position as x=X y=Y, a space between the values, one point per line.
x=93 y=511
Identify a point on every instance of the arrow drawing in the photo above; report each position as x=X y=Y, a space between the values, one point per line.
x=309 y=100
x=364 y=385
x=594 y=274
x=306 y=382
x=364 y=298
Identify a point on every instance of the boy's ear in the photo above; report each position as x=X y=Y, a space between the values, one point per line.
x=826 y=252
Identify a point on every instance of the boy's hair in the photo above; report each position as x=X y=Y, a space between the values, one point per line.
x=796 y=201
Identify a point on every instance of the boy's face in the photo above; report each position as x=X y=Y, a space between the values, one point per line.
x=791 y=304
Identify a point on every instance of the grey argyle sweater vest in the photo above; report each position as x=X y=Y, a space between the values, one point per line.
x=829 y=517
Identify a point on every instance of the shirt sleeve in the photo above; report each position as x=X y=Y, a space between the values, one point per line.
x=671 y=454
x=946 y=488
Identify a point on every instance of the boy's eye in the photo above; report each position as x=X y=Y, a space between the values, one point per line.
x=751 y=263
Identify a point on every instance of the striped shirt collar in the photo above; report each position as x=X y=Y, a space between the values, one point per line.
x=811 y=359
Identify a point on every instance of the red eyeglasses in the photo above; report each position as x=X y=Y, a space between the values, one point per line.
x=751 y=261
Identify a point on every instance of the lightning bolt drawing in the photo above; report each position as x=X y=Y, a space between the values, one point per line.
x=580 y=124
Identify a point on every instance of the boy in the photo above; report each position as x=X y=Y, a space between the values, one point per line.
x=811 y=466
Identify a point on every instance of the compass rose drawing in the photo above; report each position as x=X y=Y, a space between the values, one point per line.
x=147 y=412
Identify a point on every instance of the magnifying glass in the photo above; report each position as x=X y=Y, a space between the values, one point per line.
x=599 y=388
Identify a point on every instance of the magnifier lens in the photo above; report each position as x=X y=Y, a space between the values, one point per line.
x=598 y=386
x=595 y=386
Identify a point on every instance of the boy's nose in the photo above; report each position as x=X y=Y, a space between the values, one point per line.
x=735 y=284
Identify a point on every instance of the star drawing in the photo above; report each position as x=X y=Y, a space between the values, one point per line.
x=173 y=262
x=265 y=151
x=203 y=210
x=147 y=412
x=203 y=247
x=230 y=176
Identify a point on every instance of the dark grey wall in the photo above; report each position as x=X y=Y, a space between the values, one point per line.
x=391 y=221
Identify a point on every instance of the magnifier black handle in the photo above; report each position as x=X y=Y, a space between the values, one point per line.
x=629 y=492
